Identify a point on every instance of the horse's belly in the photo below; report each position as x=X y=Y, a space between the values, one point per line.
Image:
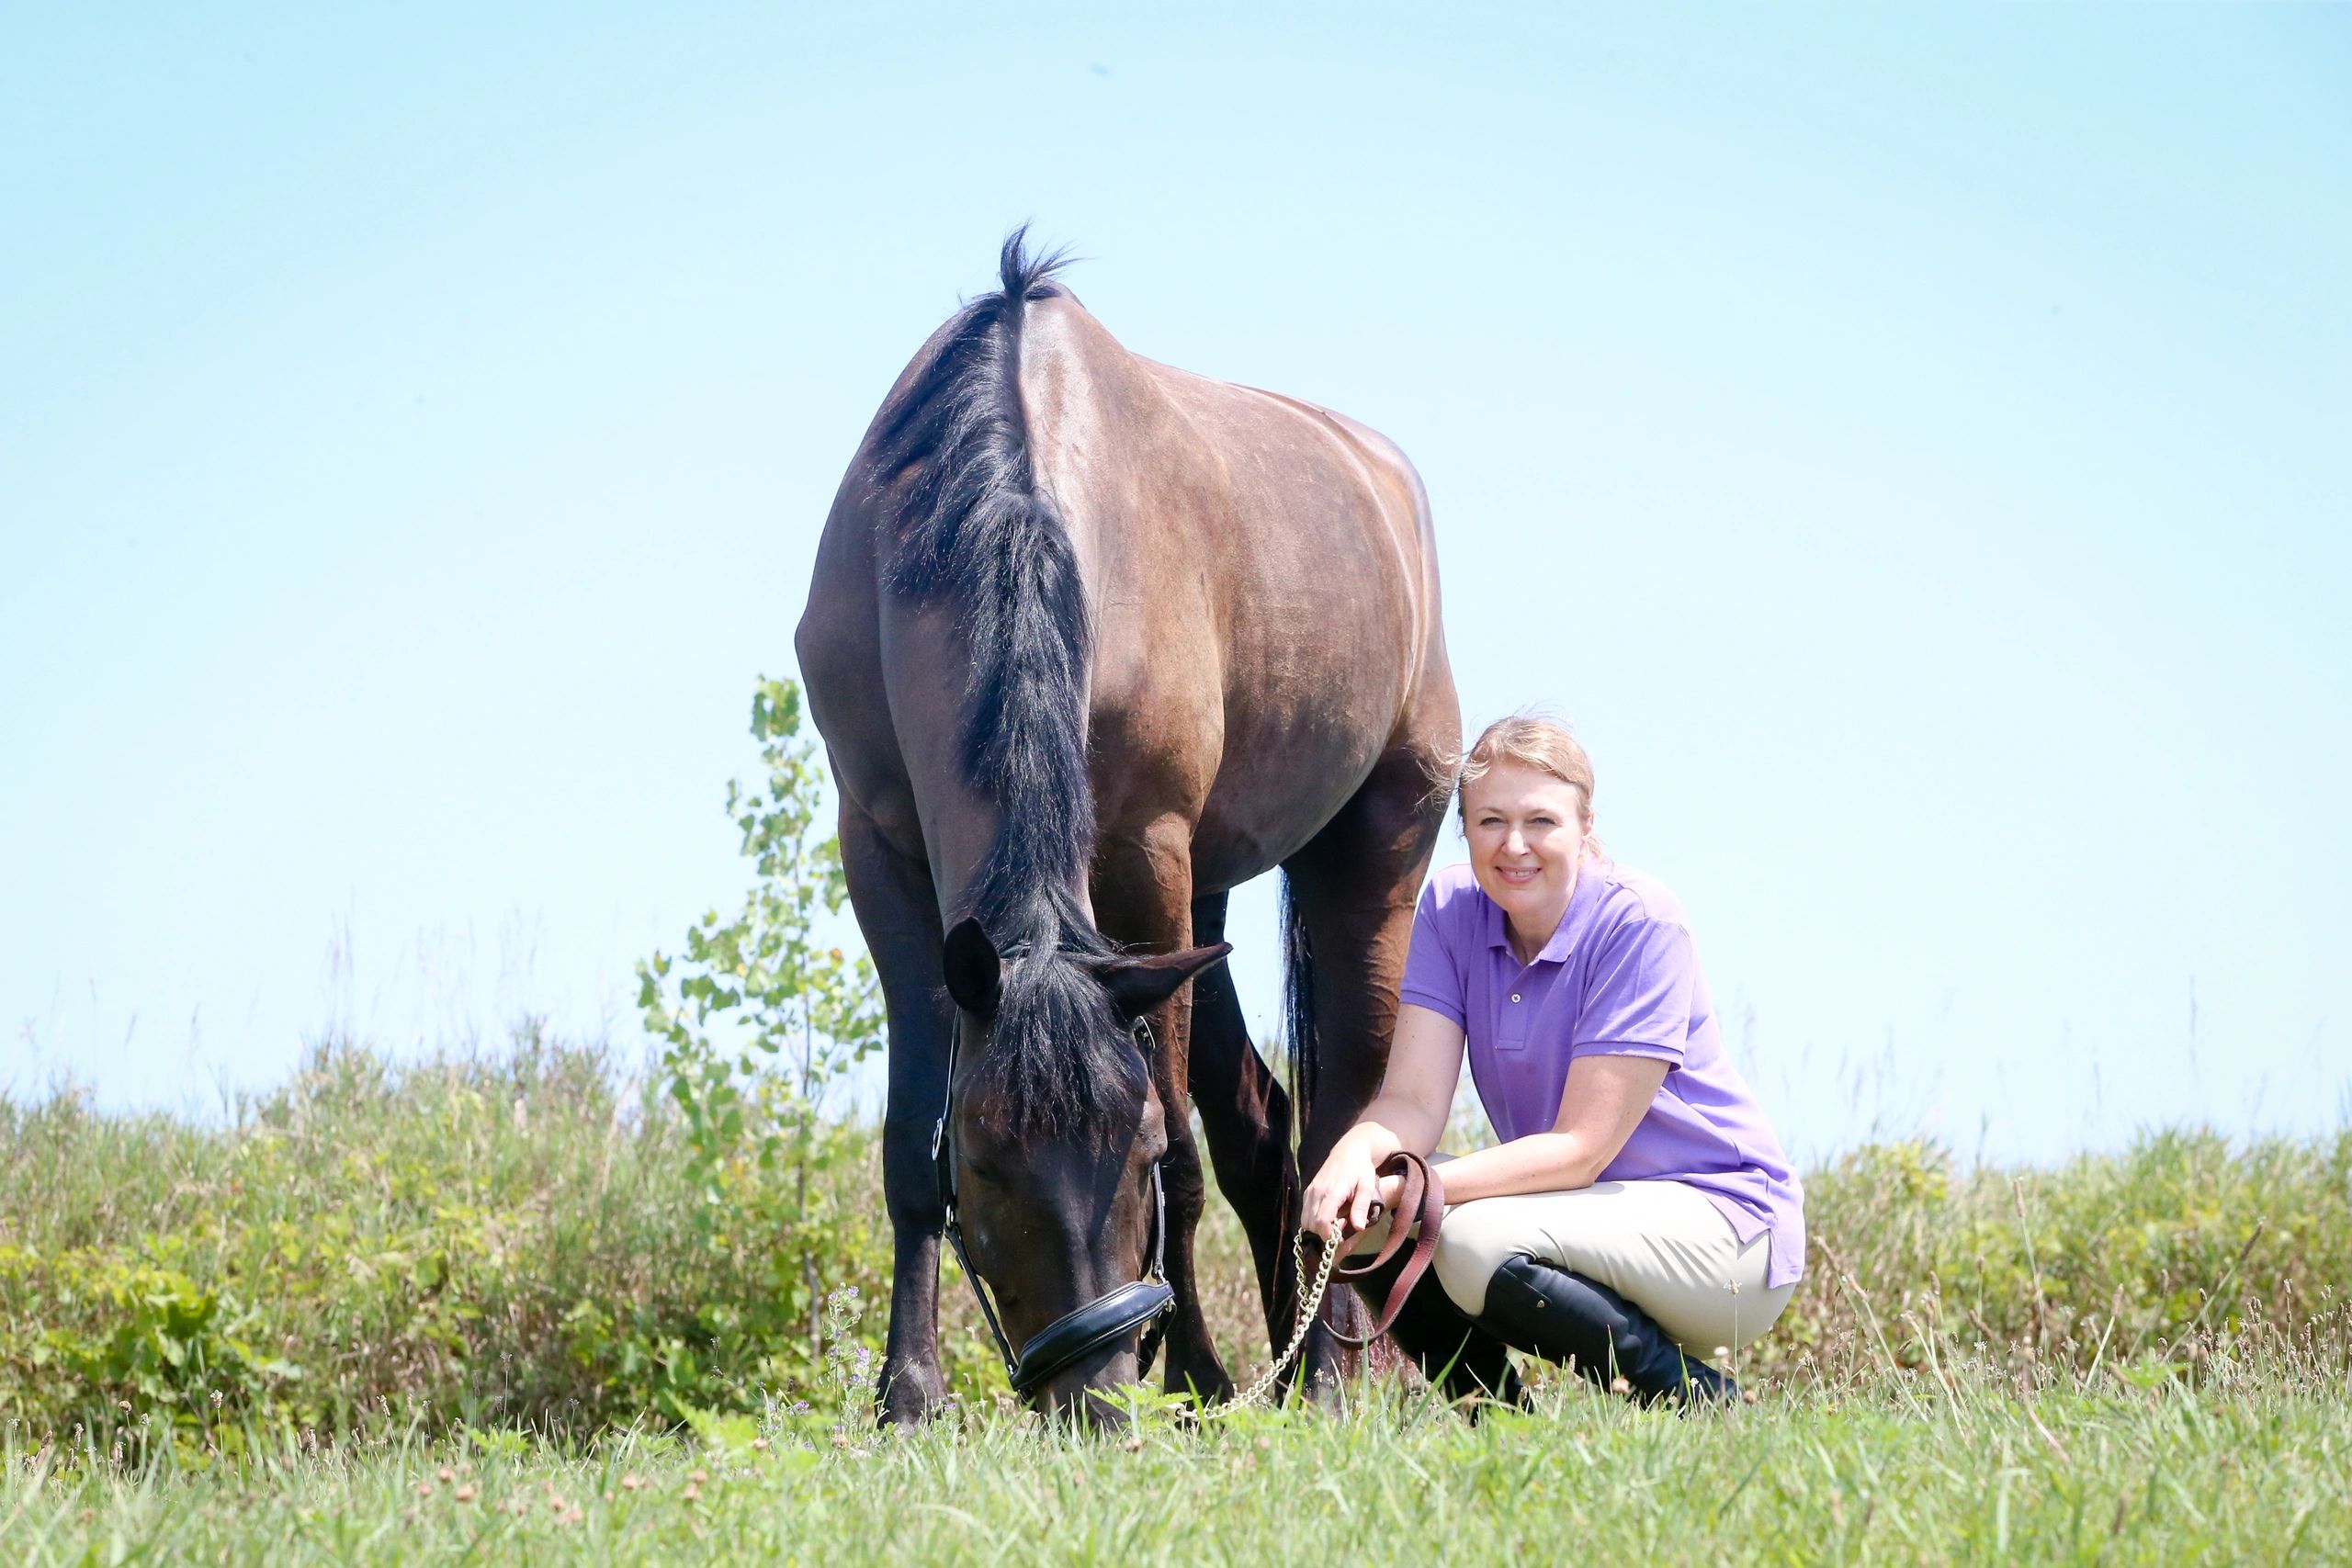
x=1259 y=736
x=1231 y=847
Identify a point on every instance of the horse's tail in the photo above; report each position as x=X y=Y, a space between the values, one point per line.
x=1299 y=1041
x=973 y=524
x=1344 y=1311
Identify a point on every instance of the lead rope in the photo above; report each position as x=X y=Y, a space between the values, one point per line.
x=1310 y=1305
x=1419 y=1211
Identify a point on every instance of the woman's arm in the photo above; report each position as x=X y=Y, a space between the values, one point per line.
x=1424 y=1064
x=1605 y=1099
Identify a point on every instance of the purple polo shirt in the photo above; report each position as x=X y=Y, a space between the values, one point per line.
x=1620 y=977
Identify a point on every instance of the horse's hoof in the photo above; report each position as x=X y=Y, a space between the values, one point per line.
x=1208 y=1386
x=910 y=1397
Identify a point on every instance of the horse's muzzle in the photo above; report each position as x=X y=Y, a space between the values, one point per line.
x=1077 y=1333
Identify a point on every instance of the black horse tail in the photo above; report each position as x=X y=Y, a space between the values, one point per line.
x=1299 y=1040
x=973 y=525
x=1344 y=1310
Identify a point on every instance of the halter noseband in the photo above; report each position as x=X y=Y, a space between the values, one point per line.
x=1141 y=1303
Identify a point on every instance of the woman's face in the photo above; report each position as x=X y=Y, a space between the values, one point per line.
x=1526 y=830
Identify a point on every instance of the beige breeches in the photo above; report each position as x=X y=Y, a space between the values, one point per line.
x=1661 y=1245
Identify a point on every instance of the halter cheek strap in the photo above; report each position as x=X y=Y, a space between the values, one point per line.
x=1142 y=1303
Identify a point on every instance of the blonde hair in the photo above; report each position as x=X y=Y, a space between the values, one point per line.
x=1531 y=738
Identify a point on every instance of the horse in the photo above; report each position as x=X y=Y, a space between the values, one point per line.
x=1091 y=641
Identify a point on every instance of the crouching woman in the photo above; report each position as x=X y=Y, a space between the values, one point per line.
x=1638 y=1219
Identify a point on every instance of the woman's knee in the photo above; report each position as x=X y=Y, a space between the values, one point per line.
x=1478 y=1237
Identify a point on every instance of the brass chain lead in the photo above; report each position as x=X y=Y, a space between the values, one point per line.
x=1310 y=1299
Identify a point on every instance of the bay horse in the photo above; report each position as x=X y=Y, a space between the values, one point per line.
x=1091 y=641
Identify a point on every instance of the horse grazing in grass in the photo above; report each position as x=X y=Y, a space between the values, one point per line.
x=1091 y=642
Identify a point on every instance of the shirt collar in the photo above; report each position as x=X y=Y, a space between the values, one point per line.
x=1561 y=945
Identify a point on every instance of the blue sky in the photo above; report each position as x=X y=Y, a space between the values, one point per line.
x=1908 y=444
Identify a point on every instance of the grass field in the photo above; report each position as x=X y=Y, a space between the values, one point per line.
x=268 y=1339
x=2250 y=1466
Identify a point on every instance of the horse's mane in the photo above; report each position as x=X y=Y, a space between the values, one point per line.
x=971 y=525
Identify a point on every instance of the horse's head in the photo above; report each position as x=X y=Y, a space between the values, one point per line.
x=1055 y=1132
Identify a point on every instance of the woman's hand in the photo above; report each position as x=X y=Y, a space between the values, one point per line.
x=1347 y=1195
x=1339 y=1200
x=1408 y=1113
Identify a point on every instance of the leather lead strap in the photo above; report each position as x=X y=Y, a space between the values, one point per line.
x=1419 y=1211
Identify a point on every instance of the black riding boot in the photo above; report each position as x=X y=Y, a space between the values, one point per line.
x=1549 y=1312
x=1453 y=1351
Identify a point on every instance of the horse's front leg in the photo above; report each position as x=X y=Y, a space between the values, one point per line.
x=1245 y=1114
x=1143 y=898
x=899 y=916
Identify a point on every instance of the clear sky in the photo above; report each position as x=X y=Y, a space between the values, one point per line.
x=1910 y=443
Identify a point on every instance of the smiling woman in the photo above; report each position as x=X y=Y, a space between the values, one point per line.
x=1639 y=1215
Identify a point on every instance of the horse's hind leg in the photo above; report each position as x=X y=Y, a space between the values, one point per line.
x=900 y=917
x=1352 y=889
x=1245 y=1116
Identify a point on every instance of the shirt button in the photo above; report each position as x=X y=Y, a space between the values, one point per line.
x=1514 y=996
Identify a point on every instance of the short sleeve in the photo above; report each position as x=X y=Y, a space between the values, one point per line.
x=1433 y=975
x=1638 y=1002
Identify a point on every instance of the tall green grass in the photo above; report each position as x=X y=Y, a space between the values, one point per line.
x=511 y=1239
x=499 y=1238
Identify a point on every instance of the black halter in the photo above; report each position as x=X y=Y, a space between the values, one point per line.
x=1142 y=1303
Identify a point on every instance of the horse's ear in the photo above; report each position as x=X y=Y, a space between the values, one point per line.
x=975 y=973
x=1138 y=984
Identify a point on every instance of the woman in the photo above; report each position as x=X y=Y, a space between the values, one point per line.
x=1638 y=1218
